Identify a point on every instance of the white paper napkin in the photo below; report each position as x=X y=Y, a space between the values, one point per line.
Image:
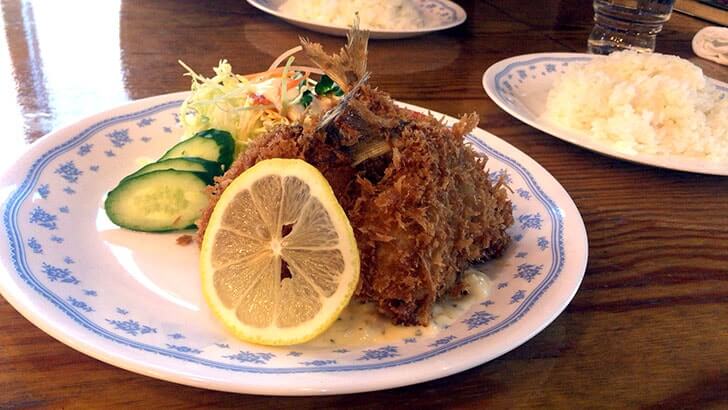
x=711 y=43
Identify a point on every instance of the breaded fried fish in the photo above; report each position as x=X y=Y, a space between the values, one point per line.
x=419 y=199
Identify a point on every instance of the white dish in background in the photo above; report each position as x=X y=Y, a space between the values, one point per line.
x=439 y=15
x=520 y=86
x=133 y=299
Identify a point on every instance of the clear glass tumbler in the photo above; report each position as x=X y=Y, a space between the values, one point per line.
x=627 y=24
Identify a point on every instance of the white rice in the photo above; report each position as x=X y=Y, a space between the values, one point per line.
x=643 y=103
x=373 y=14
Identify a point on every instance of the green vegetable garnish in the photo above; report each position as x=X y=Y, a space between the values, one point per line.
x=306 y=98
x=327 y=86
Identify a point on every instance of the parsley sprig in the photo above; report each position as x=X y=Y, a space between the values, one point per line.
x=325 y=86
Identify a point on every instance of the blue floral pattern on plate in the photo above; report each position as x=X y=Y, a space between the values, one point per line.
x=102 y=284
x=520 y=86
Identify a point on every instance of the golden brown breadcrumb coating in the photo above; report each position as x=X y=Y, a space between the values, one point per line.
x=422 y=209
x=420 y=214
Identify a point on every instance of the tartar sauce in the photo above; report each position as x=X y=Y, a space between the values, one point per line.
x=361 y=325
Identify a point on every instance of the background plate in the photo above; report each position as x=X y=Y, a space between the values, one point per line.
x=439 y=15
x=520 y=86
x=133 y=299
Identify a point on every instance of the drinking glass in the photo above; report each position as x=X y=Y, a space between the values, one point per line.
x=627 y=24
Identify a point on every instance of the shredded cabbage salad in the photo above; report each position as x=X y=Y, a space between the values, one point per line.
x=248 y=105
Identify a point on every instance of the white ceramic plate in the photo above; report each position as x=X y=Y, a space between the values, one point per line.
x=520 y=85
x=133 y=299
x=438 y=14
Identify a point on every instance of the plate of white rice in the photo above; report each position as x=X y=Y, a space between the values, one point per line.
x=385 y=19
x=653 y=109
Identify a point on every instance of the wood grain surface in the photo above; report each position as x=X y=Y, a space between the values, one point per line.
x=649 y=325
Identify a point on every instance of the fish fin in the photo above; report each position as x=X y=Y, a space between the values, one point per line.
x=348 y=66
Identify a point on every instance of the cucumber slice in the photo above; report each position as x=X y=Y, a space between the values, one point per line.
x=210 y=168
x=212 y=145
x=158 y=201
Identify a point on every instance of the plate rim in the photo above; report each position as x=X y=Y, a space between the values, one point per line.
x=672 y=162
x=137 y=365
x=373 y=33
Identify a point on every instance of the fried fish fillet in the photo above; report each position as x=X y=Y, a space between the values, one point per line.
x=422 y=208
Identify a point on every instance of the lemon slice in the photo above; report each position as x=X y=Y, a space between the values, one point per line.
x=279 y=259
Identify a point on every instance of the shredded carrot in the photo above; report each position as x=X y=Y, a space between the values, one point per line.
x=292 y=83
x=284 y=56
x=279 y=70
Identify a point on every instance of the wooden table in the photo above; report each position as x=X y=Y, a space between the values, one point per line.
x=649 y=326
